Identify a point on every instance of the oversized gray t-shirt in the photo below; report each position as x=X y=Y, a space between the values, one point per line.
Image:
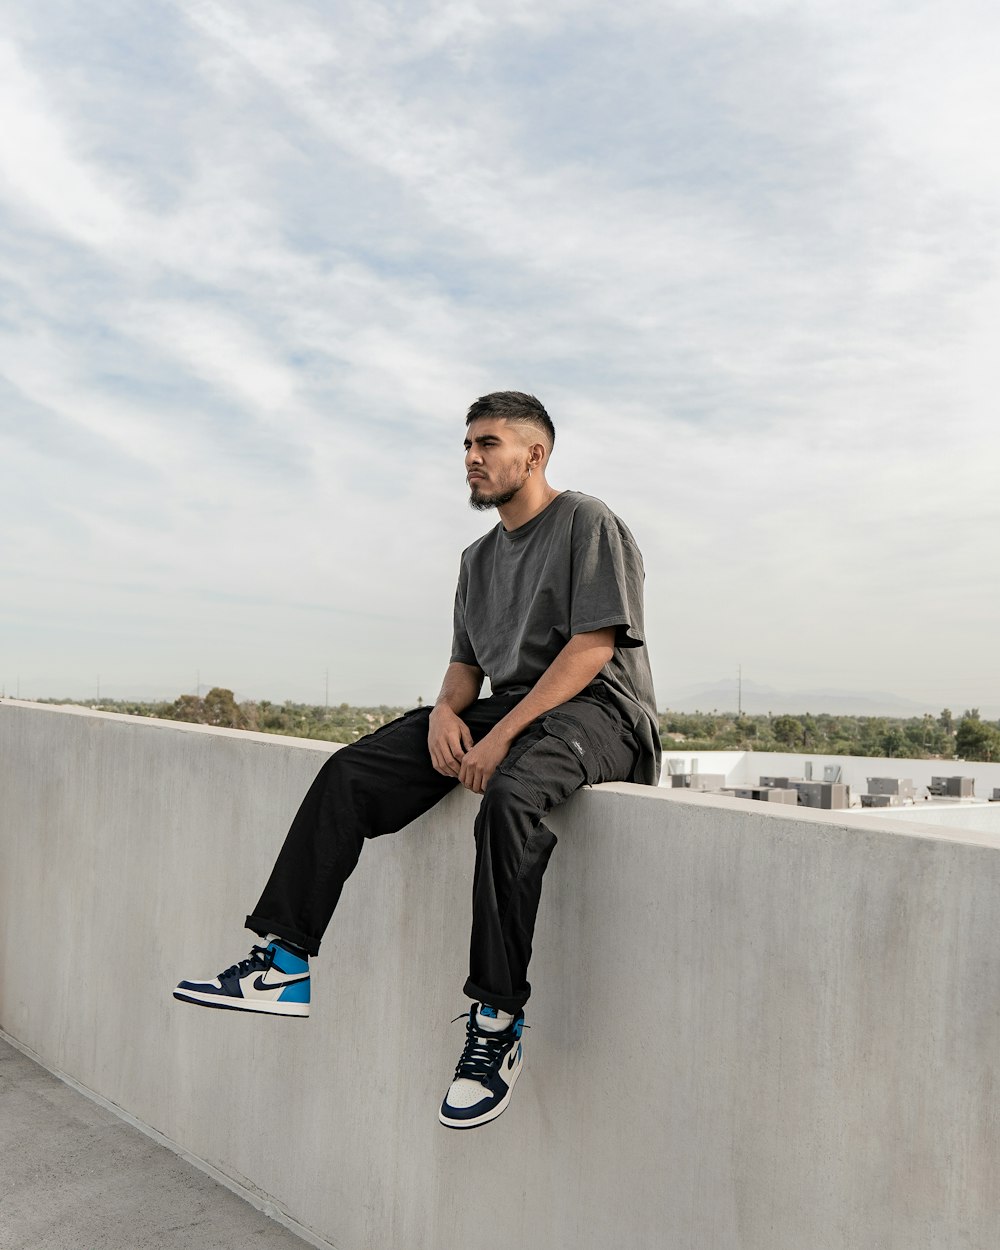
x=522 y=594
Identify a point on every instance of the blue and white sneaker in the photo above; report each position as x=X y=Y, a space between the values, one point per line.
x=272 y=979
x=490 y=1064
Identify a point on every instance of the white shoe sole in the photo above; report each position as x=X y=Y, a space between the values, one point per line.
x=262 y=1007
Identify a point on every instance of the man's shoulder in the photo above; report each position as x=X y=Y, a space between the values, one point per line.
x=589 y=512
x=591 y=516
x=587 y=507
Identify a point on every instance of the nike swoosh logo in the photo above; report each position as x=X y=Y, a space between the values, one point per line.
x=512 y=1057
x=261 y=984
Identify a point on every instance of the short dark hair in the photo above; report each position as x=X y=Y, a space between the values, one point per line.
x=513 y=406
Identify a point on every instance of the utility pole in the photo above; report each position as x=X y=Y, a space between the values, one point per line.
x=326 y=695
x=739 y=691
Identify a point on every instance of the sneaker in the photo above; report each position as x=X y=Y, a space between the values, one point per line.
x=272 y=979
x=490 y=1064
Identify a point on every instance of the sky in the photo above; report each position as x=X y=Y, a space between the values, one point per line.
x=256 y=261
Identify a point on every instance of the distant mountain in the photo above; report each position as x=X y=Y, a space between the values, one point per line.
x=129 y=693
x=758 y=700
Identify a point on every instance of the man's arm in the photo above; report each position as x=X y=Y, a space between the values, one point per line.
x=448 y=736
x=574 y=668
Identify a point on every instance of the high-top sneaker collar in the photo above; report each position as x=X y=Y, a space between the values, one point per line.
x=491 y=1020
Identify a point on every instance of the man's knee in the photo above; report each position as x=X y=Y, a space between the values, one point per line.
x=506 y=792
x=510 y=826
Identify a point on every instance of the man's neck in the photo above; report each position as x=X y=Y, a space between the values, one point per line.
x=533 y=497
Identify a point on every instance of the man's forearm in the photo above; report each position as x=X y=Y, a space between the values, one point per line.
x=573 y=669
x=448 y=736
x=461 y=686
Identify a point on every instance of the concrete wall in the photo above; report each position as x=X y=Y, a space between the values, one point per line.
x=754 y=1028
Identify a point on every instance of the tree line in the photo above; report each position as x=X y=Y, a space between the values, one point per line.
x=946 y=736
x=219 y=707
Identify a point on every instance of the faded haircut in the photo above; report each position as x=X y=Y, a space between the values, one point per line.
x=516 y=407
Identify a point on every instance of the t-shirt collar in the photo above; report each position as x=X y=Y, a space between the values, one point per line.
x=524 y=530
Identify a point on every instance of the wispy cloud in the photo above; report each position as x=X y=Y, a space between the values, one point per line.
x=258 y=261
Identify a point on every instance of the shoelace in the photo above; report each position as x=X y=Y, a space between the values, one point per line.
x=482 y=1051
x=259 y=960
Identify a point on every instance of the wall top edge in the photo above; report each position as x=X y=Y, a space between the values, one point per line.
x=154 y=722
x=849 y=822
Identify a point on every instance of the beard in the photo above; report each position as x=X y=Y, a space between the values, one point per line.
x=481 y=501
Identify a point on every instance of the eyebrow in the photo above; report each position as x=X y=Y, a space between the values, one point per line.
x=482 y=438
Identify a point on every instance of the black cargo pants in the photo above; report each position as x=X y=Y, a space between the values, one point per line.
x=385 y=780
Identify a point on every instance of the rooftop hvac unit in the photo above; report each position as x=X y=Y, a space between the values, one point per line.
x=826 y=794
x=880 y=800
x=953 y=787
x=901 y=786
x=697 y=781
x=763 y=794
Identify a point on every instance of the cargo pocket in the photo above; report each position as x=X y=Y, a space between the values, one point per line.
x=607 y=755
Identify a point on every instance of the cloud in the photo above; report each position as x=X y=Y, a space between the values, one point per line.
x=256 y=265
x=42 y=173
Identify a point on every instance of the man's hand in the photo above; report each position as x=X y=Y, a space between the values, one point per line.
x=448 y=737
x=448 y=740
x=482 y=761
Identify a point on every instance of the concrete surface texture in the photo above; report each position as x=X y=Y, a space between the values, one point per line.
x=74 y=1176
x=753 y=1027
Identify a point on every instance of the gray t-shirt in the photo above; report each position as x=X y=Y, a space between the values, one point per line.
x=522 y=594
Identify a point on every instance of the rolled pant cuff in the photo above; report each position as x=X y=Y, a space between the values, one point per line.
x=262 y=927
x=503 y=1002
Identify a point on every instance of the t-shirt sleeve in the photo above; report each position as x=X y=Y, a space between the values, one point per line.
x=607 y=578
x=461 y=647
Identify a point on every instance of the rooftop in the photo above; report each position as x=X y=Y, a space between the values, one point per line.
x=77 y=1174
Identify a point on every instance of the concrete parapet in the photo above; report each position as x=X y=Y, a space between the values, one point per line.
x=754 y=1027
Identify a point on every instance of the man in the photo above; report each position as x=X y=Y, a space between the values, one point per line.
x=549 y=608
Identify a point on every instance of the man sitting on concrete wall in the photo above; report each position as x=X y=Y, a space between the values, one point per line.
x=549 y=608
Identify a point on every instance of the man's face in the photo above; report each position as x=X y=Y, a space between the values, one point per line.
x=496 y=461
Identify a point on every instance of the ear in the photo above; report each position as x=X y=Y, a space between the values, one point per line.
x=536 y=455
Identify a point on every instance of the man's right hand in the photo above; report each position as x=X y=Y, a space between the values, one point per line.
x=448 y=739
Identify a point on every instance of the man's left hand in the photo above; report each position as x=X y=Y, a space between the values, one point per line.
x=479 y=764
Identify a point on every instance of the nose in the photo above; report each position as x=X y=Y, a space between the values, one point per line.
x=473 y=456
